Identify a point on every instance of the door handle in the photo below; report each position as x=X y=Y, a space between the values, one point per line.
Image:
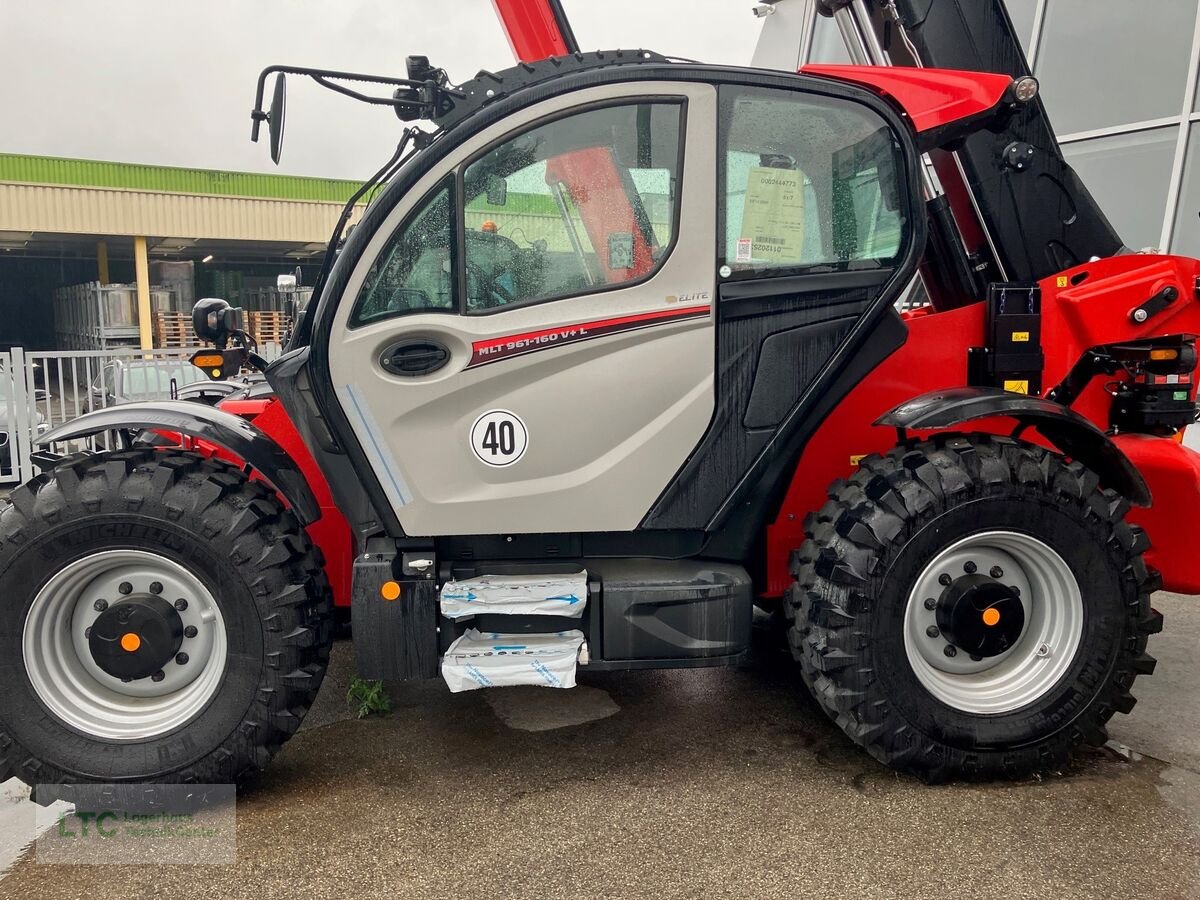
x=414 y=357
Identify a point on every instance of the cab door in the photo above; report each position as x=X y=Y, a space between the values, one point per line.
x=527 y=344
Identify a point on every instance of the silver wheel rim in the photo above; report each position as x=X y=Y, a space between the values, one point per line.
x=1041 y=654
x=76 y=690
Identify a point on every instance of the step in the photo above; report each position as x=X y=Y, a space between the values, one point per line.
x=516 y=595
x=478 y=660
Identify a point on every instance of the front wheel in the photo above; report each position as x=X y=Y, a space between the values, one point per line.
x=162 y=618
x=972 y=607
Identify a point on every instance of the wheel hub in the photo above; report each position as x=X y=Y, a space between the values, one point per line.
x=136 y=637
x=125 y=644
x=980 y=615
x=993 y=622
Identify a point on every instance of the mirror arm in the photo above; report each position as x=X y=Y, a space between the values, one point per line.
x=428 y=90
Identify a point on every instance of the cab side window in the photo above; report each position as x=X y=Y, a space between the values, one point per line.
x=415 y=271
x=572 y=206
x=809 y=182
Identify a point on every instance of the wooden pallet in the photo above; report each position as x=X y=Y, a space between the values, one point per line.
x=269 y=327
x=173 y=330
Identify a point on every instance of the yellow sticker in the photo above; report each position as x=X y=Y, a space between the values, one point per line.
x=855 y=460
x=1020 y=337
x=772 y=217
x=1017 y=387
x=1063 y=281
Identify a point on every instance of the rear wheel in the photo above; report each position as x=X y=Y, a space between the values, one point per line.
x=162 y=618
x=972 y=607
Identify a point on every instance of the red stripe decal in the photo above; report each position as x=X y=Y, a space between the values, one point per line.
x=496 y=349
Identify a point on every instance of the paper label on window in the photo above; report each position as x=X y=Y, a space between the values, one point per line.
x=773 y=216
x=745 y=250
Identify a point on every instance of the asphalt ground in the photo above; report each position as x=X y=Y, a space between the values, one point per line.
x=704 y=783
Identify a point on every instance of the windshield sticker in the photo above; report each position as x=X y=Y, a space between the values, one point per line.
x=773 y=217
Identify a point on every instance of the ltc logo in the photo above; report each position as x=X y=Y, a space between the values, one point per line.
x=87 y=819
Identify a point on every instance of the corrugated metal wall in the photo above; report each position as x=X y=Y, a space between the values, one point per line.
x=102 y=211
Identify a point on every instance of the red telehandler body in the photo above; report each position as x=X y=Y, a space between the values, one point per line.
x=628 y=346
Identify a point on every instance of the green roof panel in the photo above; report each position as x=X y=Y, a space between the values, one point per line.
x=168 y=179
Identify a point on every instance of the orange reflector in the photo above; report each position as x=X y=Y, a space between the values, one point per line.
x=1164 y=354
x=991 y=617
x=208 y=361
x=130 y=642
x=390 y=591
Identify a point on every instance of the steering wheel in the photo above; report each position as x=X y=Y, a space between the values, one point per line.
x=497 y=247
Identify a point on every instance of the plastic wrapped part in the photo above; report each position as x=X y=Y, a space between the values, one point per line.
x=516 y=595
x=478 y=660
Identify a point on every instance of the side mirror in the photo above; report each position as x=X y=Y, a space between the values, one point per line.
x=275 y=117
x=497 y=190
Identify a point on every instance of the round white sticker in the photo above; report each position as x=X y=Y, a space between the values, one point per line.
x=499 y=438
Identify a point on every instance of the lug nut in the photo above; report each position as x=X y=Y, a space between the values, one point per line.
x=970 y=567
x=945 y=580
x=190 y=631
x=951 y=650
x=1043 y=650
x=181 y=659
x=125 y=587
x=126 y=680
x=156 y=587
x=930 y=603
x=996 y=572
x=87 y=632
x=100 y=605
x=158 y=676
x=932 y=631
x=975 y=658
x=181 y=605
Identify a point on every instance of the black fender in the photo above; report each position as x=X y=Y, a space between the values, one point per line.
x=1070 y=432
x=225 y=430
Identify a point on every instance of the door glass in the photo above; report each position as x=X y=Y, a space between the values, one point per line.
x=809 y=182
x=572 y=206
x=414 y=273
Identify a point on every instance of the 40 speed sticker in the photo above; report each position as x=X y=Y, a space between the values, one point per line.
x=499 y=437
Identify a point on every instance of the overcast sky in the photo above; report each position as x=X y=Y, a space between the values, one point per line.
x=172 y=83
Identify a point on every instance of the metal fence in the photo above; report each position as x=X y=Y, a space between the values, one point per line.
x=15 y=416
x=42 y=389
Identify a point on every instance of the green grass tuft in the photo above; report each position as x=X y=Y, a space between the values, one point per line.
x=369 y=697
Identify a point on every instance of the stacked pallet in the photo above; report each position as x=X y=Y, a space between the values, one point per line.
x=173 y=330
x=269 y=327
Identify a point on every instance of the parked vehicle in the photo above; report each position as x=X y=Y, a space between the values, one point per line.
x=133 y=379
x=614 y=357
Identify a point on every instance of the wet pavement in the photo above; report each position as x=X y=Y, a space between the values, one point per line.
x=710 y=783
